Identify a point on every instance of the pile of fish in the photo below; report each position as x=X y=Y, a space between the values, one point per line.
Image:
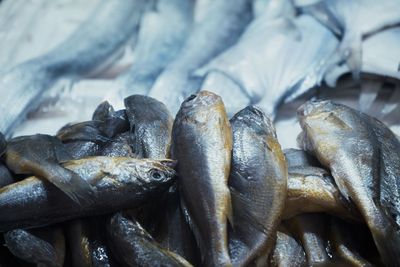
x=136 y=187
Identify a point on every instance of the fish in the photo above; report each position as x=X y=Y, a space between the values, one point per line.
x=362 y=155
x=202 y=145
x=88 y=243
x=84 y=52
x=111 y=122
x=275 y=61
x=220 y=28
x=258 y=185
x=44 y=247
x=163 y=31
x=344 y=245
x=150 y=126
x=40 y=155
x=6 y=177
x=119 y=146
x=312 y=189
x=121 y=183
x=352 y=21
x=287 y=251
x=310 y=230
x=135 y=247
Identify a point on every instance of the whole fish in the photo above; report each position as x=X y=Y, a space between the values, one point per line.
x=111 y=122
x=310 y=230
x=88 y=244
x=120 y=183
x=135 y=247
x=40 y=155
x=312 y=189
x=287 y=252
x=163 y=31
x=202 y=144
x=344 y=246
x=258 y=184
x=295 y=49
x=44 y=247
x=81 y=53
x=150 y=126
x=223 y=23
x=363 y=157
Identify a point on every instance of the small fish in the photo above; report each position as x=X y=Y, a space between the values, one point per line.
x=88 y=244
x=150 y=126
x=40 y=155
x=121 y=183
x=23 y=86
x=220 y=28
x=310 y=230
x=44 y=247
x=202 y=144
x=258 y=184
x=312 y=189
x=163 y=31
x=287 y=252
x=111 y=122
x=135 y=247
x=363 y=157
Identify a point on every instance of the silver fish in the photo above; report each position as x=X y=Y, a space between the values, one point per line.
x=363 y=157
x=223 y=23
x=81 y=53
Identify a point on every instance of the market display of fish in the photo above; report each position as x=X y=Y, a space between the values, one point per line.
x=170 y=163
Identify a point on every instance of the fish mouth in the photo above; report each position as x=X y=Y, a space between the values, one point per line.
x=201 y=99
x=311 y=107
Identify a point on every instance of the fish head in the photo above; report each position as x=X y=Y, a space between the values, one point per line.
x=201 y=102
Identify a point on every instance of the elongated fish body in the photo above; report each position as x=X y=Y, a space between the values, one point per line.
x=352 y=20
x=305 y=45
x=88 y=243
x=363 y=156
x=287 y=251
x=135 y=247
x=344 y=246
x=41 y=155
x=220 y=28
x=120 y=183
x=258 y=183
x=202 y=144
x=44 y=247
x=163 y=31
x=310 y=230
x=150 y=126
x=82 y=52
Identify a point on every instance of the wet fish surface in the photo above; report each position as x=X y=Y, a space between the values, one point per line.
x=120 y=183
x=81 y=53
x=41 y=155
x=362 y=154
x=202 y=144
x=258 y=184
x=135 y=247
x=111 y=122
x=44 y=247
x=150 y=126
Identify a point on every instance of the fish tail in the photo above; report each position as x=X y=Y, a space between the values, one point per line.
x=388 y=245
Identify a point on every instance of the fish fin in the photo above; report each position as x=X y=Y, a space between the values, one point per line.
x=74 y=186
x=369 y=92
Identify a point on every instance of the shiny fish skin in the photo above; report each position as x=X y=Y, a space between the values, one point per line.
x=287 y=252
x=81 y=53
x=88 y=244
x=83 y=131
x=222 y=25
x=120 y=183
x=363 y=156
x=119 y=146
x=258 y=184
x=41 y=155
x=202 y=144
x=310 y=230
x=111 y=122
x=136 y=248
x=44 y=247
x=150 y=126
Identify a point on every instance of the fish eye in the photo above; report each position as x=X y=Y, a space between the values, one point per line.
x=156 y=174
x=190 y=98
